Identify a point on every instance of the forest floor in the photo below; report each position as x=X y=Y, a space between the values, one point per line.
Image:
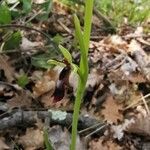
x=115 y=112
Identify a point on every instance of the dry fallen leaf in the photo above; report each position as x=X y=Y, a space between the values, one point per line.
x=101 y=145
x=111 y=111
x=27 y=45
x=8 y=69
x=118 y=130
x=3 y=145
x=21 y=99
x=32 y=140
x=46 y=83
x=141 y=125
x=136 y=78
x=61 y=139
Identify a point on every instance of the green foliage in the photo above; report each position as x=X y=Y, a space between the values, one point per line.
x=46 y=7
x=136 y=11
x=5 y=15
x=23 y=80
x=58 y=39
x=40 y=61
x=55 y=62
x=13 y=41
x=27 y=5
x=83 y=38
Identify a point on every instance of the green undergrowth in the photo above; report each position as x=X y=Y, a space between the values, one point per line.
x=136 y=11
x=117 y=11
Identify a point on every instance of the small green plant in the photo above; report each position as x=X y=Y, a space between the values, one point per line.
x=83 y=38
x=23 y=80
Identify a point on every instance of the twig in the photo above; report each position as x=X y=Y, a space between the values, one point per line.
x=97 y=130
x=64 y=27
x=20 y=117
x=145 y=104
x=143 y=61
x=90 y=128
x=105 y=19
x=137 y=102
x=34 y=15
x=11 y=8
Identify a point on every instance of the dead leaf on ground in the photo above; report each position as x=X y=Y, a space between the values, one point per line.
x=46 y=83
x=48 y=101
x=118 y=130
x=141 y=125
x=32 y=140
x=61 y=139
x=136 y=78
x=27 y=45
x=3 y=145
x=21 y=99
x=101 y=145
x=8 y=69
x=112 y=110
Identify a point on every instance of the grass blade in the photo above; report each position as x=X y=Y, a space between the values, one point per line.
x=46 y=140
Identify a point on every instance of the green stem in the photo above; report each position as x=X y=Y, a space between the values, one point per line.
x=80 y=92
x=83 y=39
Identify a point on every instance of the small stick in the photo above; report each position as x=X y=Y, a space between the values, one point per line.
x=65 y=27
x=89 y=128
x=97 y=130
x=136 y=103
x=145 y=104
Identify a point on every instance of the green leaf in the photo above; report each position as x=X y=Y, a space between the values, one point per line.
x=55 y=62
x=46 y=7
x=47 y=141
x=23 y=80
x=58 y=39
x=80 y=39
x=79 y=35
x=87 y=23
x=27 y=5
x=75 y=68
x=13 y=42
x=66 y=54
x=5 y=15
x=40 y=61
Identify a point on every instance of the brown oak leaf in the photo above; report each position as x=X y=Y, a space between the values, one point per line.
x=33 y=139
x=101 y=145
x=112 y=110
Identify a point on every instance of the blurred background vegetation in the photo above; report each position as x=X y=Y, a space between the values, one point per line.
x=132 y=12
x=119 y=11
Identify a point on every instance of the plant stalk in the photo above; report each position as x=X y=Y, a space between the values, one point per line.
x=78 y=100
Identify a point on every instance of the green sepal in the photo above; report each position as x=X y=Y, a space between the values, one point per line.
x=55 y=62
x=66 y=54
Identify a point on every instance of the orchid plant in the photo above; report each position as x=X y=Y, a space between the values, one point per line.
x=83 y=38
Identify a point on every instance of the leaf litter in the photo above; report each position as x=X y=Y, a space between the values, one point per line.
x=117 y=91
